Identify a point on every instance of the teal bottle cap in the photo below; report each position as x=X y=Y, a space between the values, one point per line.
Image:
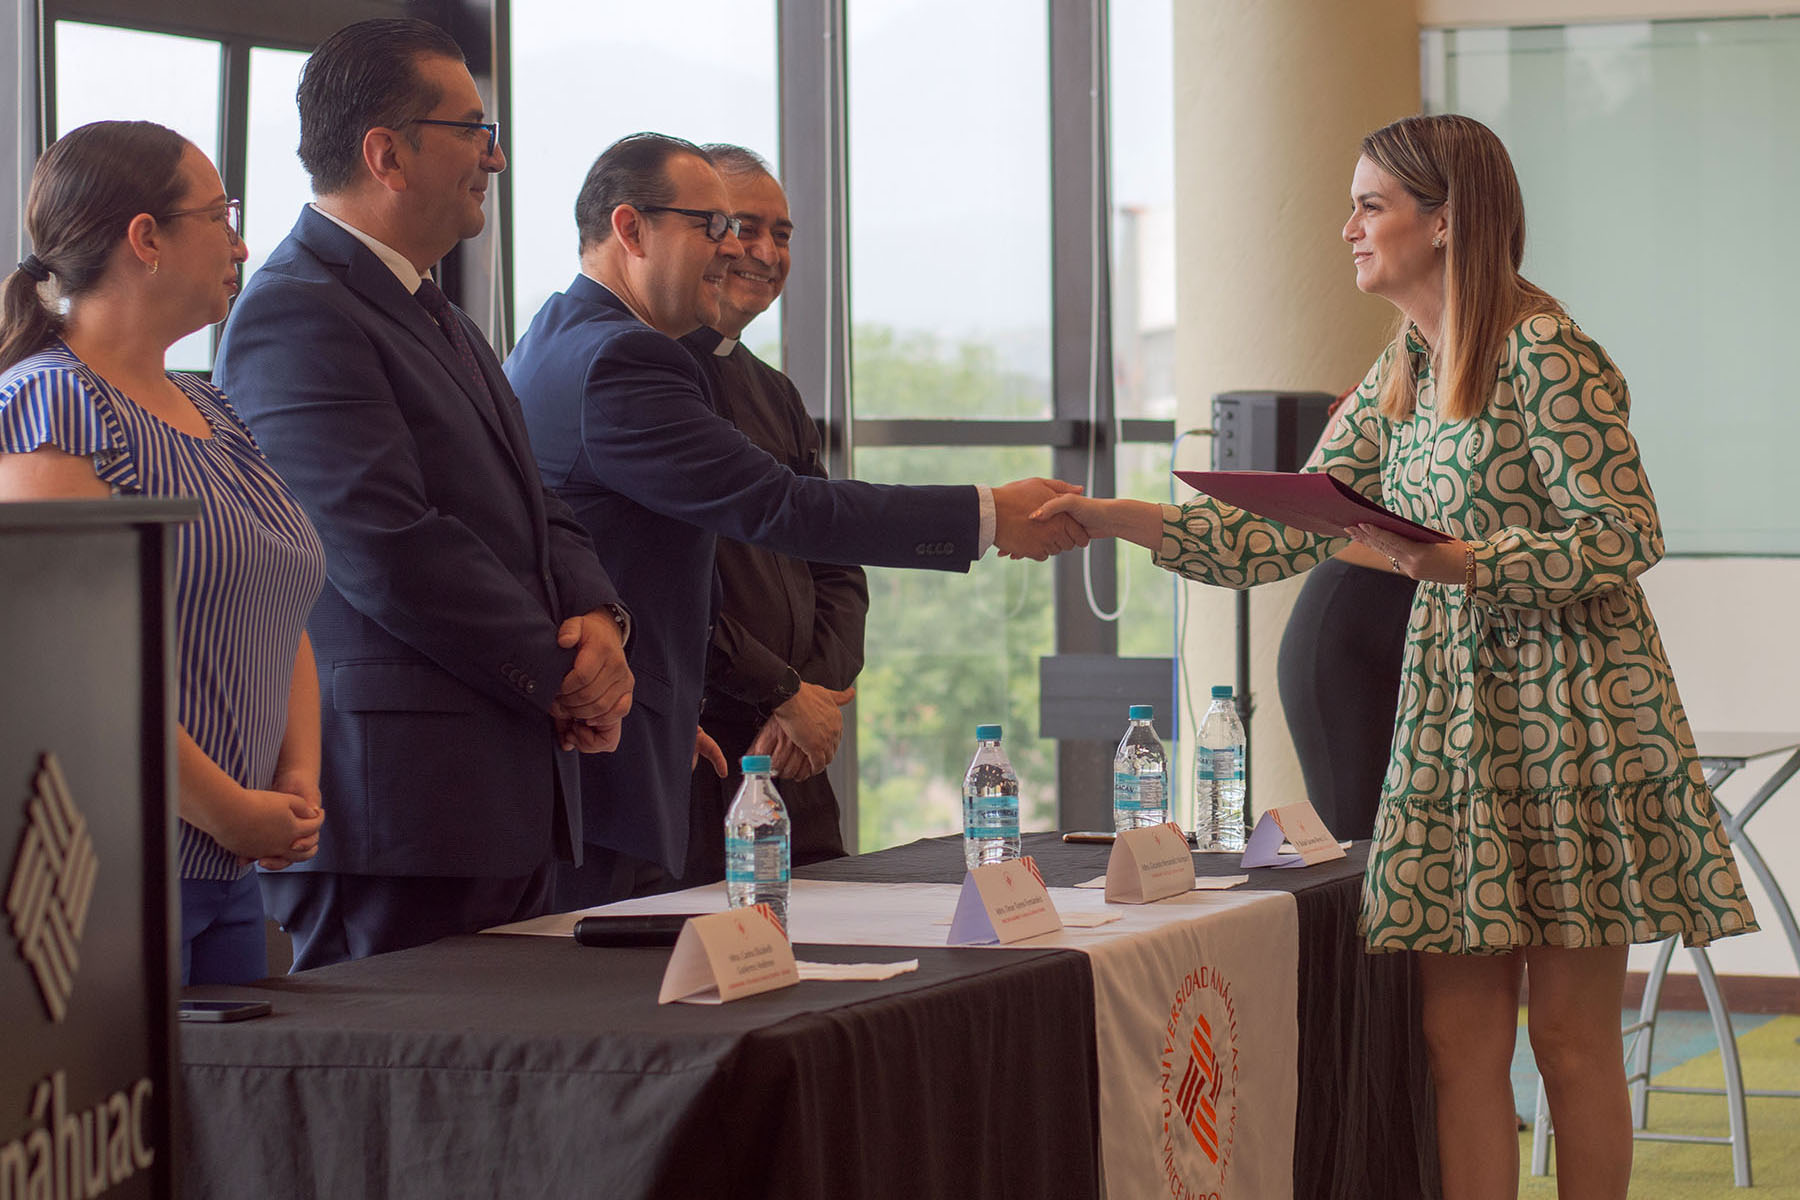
x=987 y=733
x=755 y=764
x=1221 y=691
x=1141 y=712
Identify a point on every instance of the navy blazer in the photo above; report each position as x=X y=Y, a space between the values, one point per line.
x=449 y=567
x=623 y=426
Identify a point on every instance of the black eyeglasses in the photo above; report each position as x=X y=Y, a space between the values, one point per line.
x=492 y=127
x=230 y=214
x=717 y=223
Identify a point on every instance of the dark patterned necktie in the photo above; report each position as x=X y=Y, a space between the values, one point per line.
x=432 y=299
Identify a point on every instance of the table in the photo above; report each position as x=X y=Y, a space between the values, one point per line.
x=1722 y=755
x=489 y=1065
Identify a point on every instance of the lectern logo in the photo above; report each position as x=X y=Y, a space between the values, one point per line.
x=1199 y=1069
x=52 y=883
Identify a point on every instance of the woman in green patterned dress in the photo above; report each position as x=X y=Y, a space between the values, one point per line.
x=1543 y=807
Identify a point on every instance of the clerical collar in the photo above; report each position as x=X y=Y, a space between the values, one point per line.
x=725 y=347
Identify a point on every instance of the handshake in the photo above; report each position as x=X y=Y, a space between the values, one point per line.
x=1021 y=530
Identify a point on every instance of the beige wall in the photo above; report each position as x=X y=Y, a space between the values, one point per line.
x=1271 y=99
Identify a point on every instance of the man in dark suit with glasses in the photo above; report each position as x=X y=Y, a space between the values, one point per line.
x=625 y=427
x=468 y=640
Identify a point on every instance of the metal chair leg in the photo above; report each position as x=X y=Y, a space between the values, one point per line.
x=1541 y=1133
x=1734 y=1077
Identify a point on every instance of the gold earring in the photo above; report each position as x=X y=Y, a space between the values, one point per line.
x=1437 y=243
x=154 y=263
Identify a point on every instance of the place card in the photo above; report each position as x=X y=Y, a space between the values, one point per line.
x=727 y=956
x=1294 y=823
x=1149 y=864
x=1002 y=902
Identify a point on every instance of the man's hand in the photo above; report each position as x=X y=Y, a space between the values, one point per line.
x=592 y=735
x=598 y=685
x=705 y=747
x=1016 y=535
x=812 y=719
x=786 y=758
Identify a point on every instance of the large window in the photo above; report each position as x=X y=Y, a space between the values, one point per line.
x=105 y=73
x=1659 y=162
x=949 y=223
x=582 y=77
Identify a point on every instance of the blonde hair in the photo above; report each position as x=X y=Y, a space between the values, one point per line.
x=1456 y=163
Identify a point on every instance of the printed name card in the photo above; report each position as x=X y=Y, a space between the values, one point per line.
x=727 y=956
x=1149 y=864
x=1294 y=823
x=1003 y=902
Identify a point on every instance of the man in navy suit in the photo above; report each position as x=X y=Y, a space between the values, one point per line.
x=624 y=427
x=468 y=640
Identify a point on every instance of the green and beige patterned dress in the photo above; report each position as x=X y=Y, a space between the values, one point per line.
x=1543 y=787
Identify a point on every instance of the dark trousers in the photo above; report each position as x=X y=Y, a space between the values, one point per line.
x=333 y=918
x=606 y=876
x=1339 y=676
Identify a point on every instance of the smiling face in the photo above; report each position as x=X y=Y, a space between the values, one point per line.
x=753 y=282
x=1391 y=238
x=197 y=268
x=682 y=270
x=447 y=175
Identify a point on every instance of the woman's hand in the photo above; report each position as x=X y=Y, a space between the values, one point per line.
x=1133 y=520
x=276 y=829
x=1436 y=562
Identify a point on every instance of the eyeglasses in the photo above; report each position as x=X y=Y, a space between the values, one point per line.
x=718 y=224
x=492 y=127
x=230 y=214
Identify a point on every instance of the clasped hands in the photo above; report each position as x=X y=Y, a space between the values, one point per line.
x=596 y=693
x=1016 y=535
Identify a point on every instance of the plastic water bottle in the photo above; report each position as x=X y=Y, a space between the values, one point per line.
x=1140 y=774
x=1219 y=776
x=757 y=842
x=990 y=803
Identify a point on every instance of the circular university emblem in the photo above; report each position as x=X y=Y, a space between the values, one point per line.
x=1199 y=1073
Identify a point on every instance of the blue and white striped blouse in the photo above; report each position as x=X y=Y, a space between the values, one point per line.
x=247 y=569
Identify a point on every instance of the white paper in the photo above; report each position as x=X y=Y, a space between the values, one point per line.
x=838 y=972
x=1203 y=883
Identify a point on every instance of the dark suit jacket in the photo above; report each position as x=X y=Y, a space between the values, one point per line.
x=623 y=426
x=775 y=613
x=449 y=566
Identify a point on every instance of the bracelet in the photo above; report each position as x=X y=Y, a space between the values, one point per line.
x=1469 y=571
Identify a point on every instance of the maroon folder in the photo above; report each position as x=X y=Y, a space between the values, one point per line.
x=1309 y=500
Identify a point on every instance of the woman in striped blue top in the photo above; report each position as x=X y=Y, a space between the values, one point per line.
x=137 y=246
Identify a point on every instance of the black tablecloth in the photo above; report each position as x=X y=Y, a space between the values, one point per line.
x=1364 y=1119
x=521 y=1066
x=524 y=1066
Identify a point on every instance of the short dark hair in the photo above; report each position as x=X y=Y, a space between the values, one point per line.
x=85 y=191
x=633 y=170
x=737 y=160
x=362 y=76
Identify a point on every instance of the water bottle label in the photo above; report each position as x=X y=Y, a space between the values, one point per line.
x=992 y=831
x=756 y=860
x=1219 y=766
x=1126 y=795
